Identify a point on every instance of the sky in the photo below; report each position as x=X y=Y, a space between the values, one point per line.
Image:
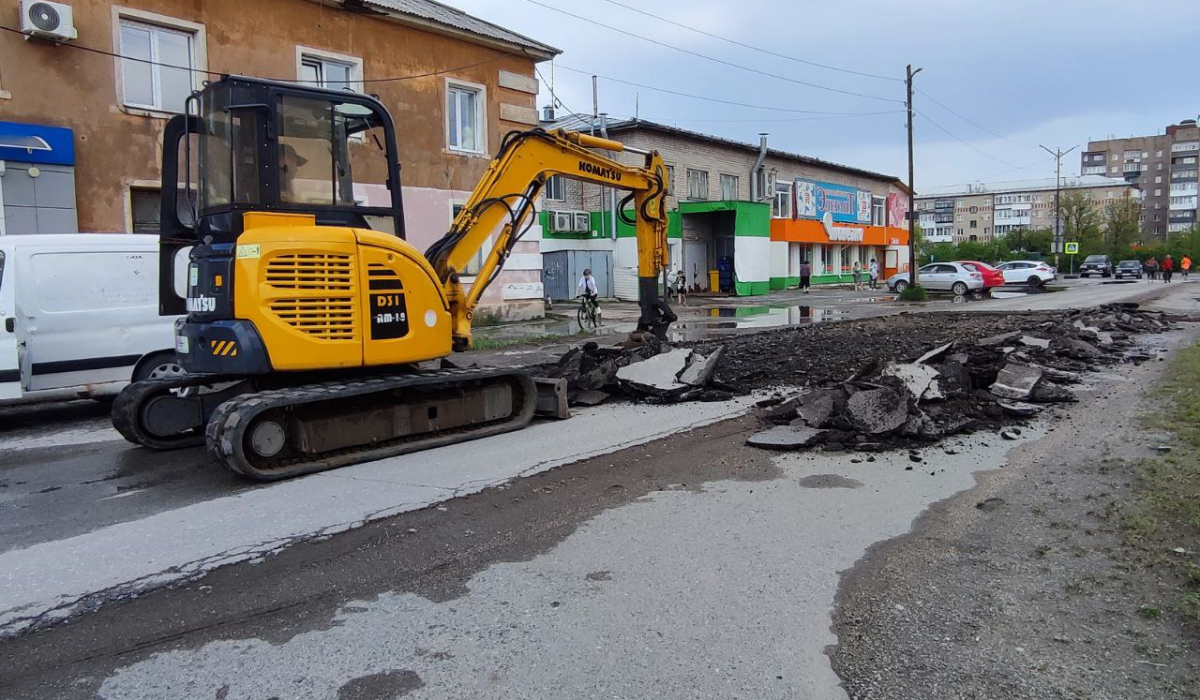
x=997 y=79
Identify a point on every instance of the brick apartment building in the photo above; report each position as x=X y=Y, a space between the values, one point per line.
x=742 y=216
x=983 y=211
x=81 y=132
x=1164 y=166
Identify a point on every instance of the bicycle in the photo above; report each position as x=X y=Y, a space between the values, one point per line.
x=588 y=315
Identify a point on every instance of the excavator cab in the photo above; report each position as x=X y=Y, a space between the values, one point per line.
x=249 y=145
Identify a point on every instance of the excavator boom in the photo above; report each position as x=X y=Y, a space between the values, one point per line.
x=503 y=204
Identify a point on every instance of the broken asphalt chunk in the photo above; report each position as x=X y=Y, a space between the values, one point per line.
x=1016 y=381
x=877 y=411
x=786 y=437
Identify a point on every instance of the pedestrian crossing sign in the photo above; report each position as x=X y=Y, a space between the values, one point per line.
x=1072 y=248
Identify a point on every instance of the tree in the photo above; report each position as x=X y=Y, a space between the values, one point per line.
x=1122 y=226
x=1081 y=222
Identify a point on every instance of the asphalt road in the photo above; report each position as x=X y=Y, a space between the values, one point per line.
x=606 y=577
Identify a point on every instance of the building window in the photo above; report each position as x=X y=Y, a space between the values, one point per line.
x=1114 y=169
x=729 y=187
x=1158 y=154
x=974 y=210
x=159 y=68
x=973 y=224
x=1157 y=192
x=670 y=180
x=697 y=183
x=475 y=264
x=1158 y=180
x=781 y=207
x=878 y=206
x=1159 y=166
x=328 y=70
x=466 y=129
x=555 y=188
x=144 y=210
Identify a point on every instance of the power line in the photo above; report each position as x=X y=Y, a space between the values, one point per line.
x=711 y=58
x=555 y=97
x=796 y=119
x=971 y=146
x=706 y=98
x=750 y=46
x=977 y=125
x=190 y=69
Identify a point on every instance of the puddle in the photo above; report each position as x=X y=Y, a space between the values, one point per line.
x=726 y=319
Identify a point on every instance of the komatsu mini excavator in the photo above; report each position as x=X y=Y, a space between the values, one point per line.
x=307 y=311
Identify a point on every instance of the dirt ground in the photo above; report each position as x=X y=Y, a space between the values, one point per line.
x=1022 y=587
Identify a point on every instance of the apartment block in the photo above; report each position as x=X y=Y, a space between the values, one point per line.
x=983 y=211
x=1164 y=166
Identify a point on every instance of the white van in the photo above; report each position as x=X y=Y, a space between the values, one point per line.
x=79 y=315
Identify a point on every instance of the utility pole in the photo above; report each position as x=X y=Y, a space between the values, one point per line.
x=912 y=210
x=1059 y=234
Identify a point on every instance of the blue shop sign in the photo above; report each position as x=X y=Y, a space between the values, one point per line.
x=845 y=204
x=35 y=143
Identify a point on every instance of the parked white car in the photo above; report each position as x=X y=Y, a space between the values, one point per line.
x=1033 y=273
x=79 y=315
x=945 y=276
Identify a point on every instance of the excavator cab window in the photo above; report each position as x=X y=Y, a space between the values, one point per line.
x=266 y=146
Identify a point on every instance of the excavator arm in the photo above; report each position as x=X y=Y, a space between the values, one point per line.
x=503 y=204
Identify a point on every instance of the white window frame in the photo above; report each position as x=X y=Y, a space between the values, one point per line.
x=698 y=172
x=725 y=177
x=480 y=116
x=879 y=204
x=199 y=52
x=555 y=182
x=777 y=208
x=480 y=255
x=670 y=179
x=354 y=63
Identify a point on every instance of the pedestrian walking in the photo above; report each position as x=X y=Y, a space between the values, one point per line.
x=1168 y=267
x=679 y=288
x=805 y=275
x=874 y=272
x=1152 y=269
x=1185 y=265
x=856 y=274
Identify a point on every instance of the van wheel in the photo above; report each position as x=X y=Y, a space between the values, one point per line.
x=160 y=365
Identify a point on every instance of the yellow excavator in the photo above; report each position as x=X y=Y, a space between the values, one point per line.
x=307 y=311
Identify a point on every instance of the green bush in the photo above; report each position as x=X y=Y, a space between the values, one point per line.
x=914 y=293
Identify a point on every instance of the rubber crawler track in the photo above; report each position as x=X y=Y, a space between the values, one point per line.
x=226 y=431
x=127 y=412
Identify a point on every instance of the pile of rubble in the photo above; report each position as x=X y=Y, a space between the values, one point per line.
x=959 y=386
x=645 y=370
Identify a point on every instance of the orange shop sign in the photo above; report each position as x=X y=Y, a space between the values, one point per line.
x=808 y=231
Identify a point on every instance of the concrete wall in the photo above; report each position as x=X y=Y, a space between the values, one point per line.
x=118 y=147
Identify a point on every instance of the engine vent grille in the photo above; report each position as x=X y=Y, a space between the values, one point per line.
x=329 y=316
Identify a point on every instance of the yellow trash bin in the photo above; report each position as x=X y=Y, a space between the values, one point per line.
x=714 y=281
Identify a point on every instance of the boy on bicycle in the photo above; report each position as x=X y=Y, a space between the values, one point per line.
x=587 y=288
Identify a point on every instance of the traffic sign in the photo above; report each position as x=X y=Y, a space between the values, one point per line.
x=1072 y=248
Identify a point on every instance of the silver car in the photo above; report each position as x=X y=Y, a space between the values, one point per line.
x=941 y=276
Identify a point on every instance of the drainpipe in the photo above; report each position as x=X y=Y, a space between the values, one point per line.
x=612 y=192
x=755 y=185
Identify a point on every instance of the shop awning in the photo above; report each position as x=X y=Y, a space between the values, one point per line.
x=37 y=143
x=812 y=231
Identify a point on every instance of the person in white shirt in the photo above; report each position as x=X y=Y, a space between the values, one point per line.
x=874 y=272
x=587 y=287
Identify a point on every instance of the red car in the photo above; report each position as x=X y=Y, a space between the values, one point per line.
x=991 y=276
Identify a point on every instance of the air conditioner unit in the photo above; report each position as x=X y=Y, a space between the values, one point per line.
x=583 y=222
x=51 y=20
x=562 y=221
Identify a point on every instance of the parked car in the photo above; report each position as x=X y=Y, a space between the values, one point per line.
x=1128 y=268
x=1033 y=273
x=79 y=315
x=1096 y=265
x=992 y=277
x=948 y=276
